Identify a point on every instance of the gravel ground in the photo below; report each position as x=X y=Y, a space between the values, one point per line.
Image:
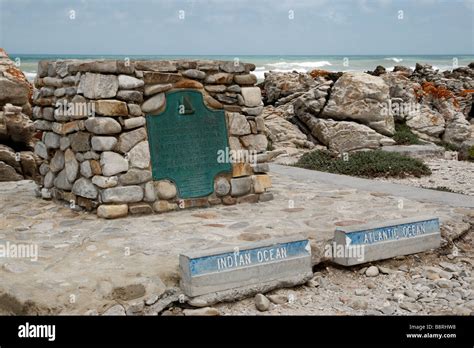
x=431 y=283
x=457 y=176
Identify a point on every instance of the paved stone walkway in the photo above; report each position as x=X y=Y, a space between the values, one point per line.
x=409 y=192
x=83 y=259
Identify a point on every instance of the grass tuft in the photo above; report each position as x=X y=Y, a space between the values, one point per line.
x=404 y=136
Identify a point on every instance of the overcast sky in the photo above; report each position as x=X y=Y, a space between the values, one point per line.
x=280 y=27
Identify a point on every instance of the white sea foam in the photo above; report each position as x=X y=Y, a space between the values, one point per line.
x=443 y=67
x=30 y=75
x=299 y=65
x=288 y=67
x=395 y=59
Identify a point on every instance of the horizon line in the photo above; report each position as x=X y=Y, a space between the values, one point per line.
x=237 y=55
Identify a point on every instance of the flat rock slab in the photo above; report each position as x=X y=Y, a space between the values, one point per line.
x=244 y=265
x=417 y=151
x=382 y=240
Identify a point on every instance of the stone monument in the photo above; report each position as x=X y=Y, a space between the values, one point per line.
x=137 y=137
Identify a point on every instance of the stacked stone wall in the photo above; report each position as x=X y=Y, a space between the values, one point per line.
x=94 y=144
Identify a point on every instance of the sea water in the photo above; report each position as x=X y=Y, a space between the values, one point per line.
x=28 y=63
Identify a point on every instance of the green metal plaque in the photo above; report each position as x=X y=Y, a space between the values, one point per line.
x=185 y=140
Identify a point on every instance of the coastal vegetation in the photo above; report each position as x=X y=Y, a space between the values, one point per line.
x=364 y=164
x=404 y=135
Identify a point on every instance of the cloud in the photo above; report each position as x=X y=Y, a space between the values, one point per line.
x=469 y=5
x=335 y=17
x=235 y=26
x=370 y=6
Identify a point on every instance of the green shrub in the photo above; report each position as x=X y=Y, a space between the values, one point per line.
x=365 y=164
x=404 y=136
x=470 y=153
x=270 y=145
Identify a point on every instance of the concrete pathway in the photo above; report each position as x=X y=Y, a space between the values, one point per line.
x=409 y=192
x=89 y=264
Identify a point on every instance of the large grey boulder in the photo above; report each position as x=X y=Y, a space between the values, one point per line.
x=12 y=91
x=427 y=123
x=344 y=136
x=363 y=98
x=15 y=126
x=14 y=86
x=284 y=135
x=279 y=85
x=312 y=101
x=457 y=130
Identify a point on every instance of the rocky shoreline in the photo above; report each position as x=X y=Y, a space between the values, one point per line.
x=337 y=112
x=355 y=111
x=17 y=133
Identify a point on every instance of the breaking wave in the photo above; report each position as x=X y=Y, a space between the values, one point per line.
x=289 y=67
x=394 y=59
x=30 y=76
x=298 y=65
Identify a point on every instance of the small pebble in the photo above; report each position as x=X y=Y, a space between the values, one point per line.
x=262 y=303
x=372 y=271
